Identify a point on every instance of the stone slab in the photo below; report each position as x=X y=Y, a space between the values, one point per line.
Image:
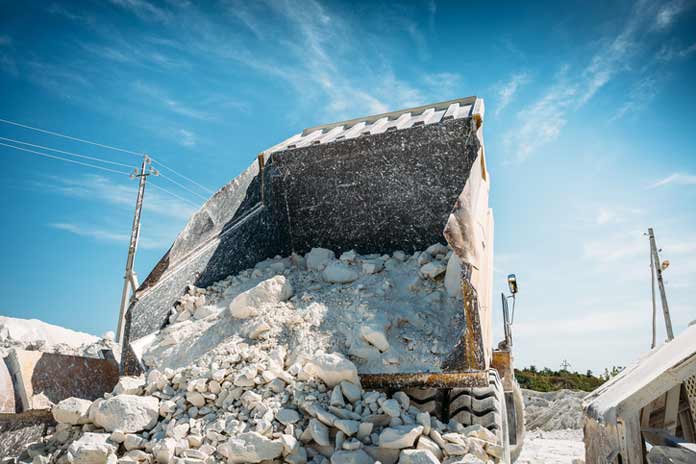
x=44 y=378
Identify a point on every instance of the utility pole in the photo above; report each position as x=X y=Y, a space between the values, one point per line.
x=565 y=365
x=654 y=306
x=130 y=279
x=660 y=284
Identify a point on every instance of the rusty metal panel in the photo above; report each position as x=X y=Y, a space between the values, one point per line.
x=44 y=378
x=502 y=362
x=465 y=379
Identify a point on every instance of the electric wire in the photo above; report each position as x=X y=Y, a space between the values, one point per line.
x=68 y=160
x=66 y=152
x=207 y=190
x=58 y=134
x=182 y=186
x=157 y=187
x=98 y=167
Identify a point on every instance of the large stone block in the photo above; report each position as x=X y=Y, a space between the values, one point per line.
x=43 y=379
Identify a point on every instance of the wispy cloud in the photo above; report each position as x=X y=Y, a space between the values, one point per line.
x=642 y=92
x=443 y=84
x=678 y=178
x=86 y=231
x=144 y=10
x=542 y=121
x=615 y=247
x=187 y=138
x=674 y=51
x=667 y=13
x=103 y=189
x=175 y=106
x=506 y=91
x=615 y=214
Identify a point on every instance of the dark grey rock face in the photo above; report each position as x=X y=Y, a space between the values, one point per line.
x=376 y=193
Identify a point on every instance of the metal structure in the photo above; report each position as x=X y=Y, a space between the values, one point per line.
x=130 y=279
x=647 y=413
x=660 y=283
x=394 y=181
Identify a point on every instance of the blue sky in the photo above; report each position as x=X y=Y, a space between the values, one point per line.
x=589 y=136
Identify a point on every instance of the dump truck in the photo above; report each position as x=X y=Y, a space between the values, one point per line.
x=401 y=180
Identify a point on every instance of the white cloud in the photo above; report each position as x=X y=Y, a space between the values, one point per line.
x=667 y=13
x=122 y=195
x=608 y=248
x=444 y=83
x=144 y=10
x=188 y=138
x=677 y=178
x=506 y=90
x=87 y=231
x=171 y=104
x=673 y=51
x=153 y=239
x=615 y=214
x=543 y=120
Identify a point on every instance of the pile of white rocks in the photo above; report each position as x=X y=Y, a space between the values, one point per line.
x=388 y=313
x=555 y=410
x=248 y=403
x=36 y=335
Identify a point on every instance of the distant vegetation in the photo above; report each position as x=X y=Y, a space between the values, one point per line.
x=548 y=380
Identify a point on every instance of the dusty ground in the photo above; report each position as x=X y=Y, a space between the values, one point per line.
x=553 y=447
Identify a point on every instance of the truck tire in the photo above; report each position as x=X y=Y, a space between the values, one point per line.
x=430 y=400
x=515 y=407
x=483 y=406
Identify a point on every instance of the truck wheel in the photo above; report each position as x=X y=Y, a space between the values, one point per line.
x=515 y=405
x=430 y=400
x=483 y=406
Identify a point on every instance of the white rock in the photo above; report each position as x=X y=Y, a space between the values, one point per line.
x=349 y=427
x=196 y=399
x=375 y=336
x=372 y=266
x=351 y=457
x=351 y=391
x=164 y=451
x=392 y=408
x=128 y=413
x=337 y=272
x=318 y=258
x=348 y=256
x=129 y=385
x=453 y=277
x=204 y=311
x=402 y=436
x=252 y=447
x=427 y=444
x=287 y=416
x=332 y=368
x=437 y=249
x=93 y=448
x=269 y=292
x=319 y=432
x=432 y=270
x=417 y=456
x=72 y=411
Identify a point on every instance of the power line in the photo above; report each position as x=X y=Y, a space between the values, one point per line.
x=58 y=134
x=181 y=175
x=66 y=152
x=153 y=185
x=182 y=186
x=67 y=160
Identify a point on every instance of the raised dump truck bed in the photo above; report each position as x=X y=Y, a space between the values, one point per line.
x=394 y=181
